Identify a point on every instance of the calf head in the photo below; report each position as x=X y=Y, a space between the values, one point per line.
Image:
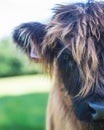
x=73 y=41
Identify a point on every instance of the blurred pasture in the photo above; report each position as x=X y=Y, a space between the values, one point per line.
x=23 y=90
x=13 y=62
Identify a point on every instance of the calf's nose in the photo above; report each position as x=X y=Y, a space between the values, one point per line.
x=97 y=111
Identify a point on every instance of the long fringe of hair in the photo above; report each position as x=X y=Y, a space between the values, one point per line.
x=80 y=27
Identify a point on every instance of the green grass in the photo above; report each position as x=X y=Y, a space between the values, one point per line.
x=26 y=112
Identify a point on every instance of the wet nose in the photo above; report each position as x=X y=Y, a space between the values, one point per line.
x=97 y=111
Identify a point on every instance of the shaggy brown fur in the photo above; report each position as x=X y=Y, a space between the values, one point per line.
x=60 y=110
x=82 y=32
x=60 y=114
x=71 y=48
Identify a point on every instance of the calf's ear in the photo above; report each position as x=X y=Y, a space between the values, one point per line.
x=29 y=37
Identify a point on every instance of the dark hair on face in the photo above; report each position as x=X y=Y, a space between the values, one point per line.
x=80 y=27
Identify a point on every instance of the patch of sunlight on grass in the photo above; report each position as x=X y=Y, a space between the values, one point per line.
x=24 y=84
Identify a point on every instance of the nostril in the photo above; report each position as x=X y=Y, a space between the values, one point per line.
x=97 y=111
x=92 y=110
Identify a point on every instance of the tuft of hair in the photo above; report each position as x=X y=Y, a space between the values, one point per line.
x=80 y=27
x=27 y=33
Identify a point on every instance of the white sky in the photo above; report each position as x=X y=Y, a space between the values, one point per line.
x=14 y=12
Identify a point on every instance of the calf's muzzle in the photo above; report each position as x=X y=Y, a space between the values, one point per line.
x=96 y=111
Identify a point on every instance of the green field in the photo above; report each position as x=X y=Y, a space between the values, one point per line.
x=21 y=110
x=26 y=112
x=23 y=99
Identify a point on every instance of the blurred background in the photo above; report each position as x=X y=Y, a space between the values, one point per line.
x=23 y=87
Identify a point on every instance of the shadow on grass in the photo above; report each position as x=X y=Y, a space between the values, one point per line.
x=26 y=112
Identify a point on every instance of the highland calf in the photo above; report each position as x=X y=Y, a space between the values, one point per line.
x=71 y=49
